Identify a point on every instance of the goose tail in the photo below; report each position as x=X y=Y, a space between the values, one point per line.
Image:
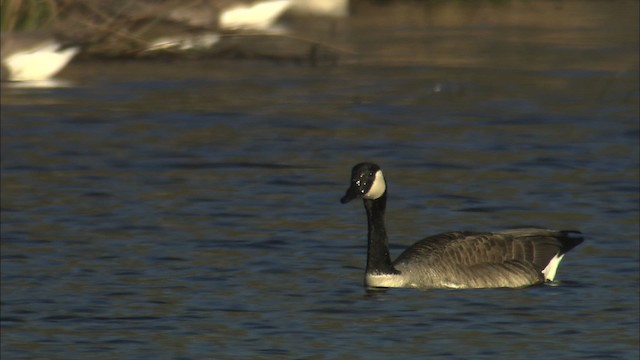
x=569 y=239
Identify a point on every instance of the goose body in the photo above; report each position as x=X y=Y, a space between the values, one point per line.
x=33 y=57
x=255 y=16
x=463 y=259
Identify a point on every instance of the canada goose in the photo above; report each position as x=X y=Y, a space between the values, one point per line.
x=463 y=259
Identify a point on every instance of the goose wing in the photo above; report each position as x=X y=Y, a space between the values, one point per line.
x=486 y=259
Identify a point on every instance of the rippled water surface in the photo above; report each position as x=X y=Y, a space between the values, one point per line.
x=190 y=209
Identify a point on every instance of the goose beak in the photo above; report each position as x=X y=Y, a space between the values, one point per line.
x=352 y=193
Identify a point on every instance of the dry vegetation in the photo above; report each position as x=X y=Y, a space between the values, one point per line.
x=27 y=15
x=126 y=28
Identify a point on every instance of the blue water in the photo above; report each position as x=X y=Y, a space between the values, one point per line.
x=190 y=210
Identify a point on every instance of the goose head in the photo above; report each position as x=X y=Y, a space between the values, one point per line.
x=367 y=182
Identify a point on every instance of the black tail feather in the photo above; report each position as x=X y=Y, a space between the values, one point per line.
x=570 y=239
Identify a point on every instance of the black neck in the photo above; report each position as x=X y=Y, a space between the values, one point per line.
x=378 y=259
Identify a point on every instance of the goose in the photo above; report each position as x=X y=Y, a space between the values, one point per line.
x=33 y=56
x=255 y=16
x=512 y=258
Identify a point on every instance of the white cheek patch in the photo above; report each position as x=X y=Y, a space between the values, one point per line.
x=377 y=188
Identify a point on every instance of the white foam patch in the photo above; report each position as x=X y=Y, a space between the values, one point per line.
x=377 y=188
x=551 y=268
